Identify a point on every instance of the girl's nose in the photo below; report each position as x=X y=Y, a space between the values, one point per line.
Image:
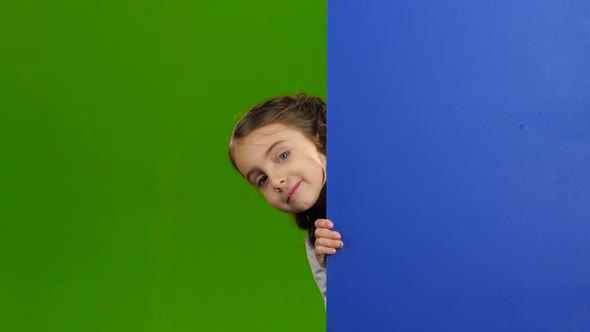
x=278 y=183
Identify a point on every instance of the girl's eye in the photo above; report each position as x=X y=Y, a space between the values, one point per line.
x=262 y=180
x=283 y=156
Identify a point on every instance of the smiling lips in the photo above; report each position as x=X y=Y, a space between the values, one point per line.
x=293 y=191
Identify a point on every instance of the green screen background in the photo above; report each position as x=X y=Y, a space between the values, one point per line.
x=119 y=209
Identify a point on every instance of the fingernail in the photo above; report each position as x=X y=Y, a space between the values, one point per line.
x=333 y=251
x=340 y=244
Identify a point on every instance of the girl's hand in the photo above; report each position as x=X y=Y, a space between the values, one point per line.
x=327 y=241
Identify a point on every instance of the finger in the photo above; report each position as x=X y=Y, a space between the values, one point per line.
x=326 y=233
x=323 y=223
x=319 y=251
x=329 y=243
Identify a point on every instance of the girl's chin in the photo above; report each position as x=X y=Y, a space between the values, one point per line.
x=292 y=210
x=296 y=209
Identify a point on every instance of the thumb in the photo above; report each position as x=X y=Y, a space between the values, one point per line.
x=321 y=260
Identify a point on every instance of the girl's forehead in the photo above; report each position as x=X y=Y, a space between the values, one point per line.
x=253 y=148
x=259 y=138
x=268 y=134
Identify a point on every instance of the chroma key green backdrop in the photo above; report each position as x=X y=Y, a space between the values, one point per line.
x=119 y=210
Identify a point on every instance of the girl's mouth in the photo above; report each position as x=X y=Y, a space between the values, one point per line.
x=293 y=191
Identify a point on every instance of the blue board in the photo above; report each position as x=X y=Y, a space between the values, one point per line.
x=459 y=165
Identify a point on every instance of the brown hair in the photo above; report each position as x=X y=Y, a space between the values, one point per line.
x=301 y=112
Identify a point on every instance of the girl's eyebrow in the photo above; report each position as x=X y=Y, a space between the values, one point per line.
x=272 y=146
x=254 y=170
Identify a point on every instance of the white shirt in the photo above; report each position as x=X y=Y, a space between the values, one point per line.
x=319 y=273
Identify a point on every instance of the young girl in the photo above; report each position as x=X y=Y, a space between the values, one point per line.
x=279 y=147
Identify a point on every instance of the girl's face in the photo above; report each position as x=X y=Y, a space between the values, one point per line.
x=284 y=164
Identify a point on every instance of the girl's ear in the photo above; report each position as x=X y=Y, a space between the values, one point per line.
x=318 y=141
x=322 y=129
x=320 y=137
